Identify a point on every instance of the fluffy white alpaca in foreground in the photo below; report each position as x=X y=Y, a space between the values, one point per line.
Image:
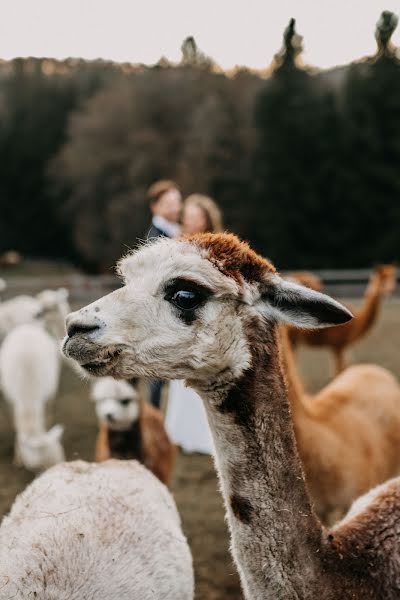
x=29 y=376
x=107 y=531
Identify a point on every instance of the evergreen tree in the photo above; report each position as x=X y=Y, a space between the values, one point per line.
x=370 y=172
x=292 y=161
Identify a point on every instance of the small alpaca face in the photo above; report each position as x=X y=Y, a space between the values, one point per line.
x=117 y=403
x=183 y=310
x=39 y=452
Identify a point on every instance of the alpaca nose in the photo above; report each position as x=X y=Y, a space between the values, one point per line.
x=110 y=417
x=75 y=326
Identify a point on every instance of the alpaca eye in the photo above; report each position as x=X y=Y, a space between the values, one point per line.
x=186 y=299
x=125 y=401
x=186 y=296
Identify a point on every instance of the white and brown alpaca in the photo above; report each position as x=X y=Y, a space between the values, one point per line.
x=348 y=434
x=206 y=309
x=382 y=283
x=129 y=428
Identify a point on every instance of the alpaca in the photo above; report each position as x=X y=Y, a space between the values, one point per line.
x=348 y=435
x=83 y=531
x=49 y=306
x=18 y=310
x=206 y=309
x=131 y=428
x=29 y=375
x=3 y=285
x=54 y=309
x=305 y=278
x=382 y=283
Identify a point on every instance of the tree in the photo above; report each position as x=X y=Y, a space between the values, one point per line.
x=292 y=160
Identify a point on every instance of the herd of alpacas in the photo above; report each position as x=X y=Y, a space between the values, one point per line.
x=310 y=483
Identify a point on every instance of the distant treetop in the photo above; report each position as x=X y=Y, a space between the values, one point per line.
x=292 y=46
x=385 y=27
x=192 y=55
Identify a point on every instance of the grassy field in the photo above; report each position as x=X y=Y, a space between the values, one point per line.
x=195 y=484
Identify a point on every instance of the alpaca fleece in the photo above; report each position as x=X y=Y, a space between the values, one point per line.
x=95 y=531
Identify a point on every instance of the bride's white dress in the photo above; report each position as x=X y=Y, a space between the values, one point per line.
x=186 y=420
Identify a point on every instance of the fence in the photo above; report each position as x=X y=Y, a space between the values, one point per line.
x=84 y=288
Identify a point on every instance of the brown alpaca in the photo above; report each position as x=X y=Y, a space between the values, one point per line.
x=130 y=428
x=348 y=435
x=382 y=283
x=218 y=305
x=305 y=278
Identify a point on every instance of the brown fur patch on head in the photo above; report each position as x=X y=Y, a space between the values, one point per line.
x=233 y=257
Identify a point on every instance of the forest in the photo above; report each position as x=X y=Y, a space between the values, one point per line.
x=304 y=163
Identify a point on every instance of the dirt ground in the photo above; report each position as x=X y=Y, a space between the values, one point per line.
x=195 y=484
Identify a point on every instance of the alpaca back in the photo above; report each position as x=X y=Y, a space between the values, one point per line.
x=108 y=530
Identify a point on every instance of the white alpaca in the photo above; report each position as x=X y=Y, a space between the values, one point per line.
x=29 y=375
x=18 y=310
x=3 y=285
x=117 y=403
x=54 y=309
x=49 y=306
x=130 y=428
x=107 y=531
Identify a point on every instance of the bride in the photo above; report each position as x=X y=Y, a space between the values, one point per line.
x=186 y=420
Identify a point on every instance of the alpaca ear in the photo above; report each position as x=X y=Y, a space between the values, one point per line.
x=63 y=293
x=55 y=433
x=300 y=306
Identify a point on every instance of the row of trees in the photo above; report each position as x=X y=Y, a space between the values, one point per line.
x=303 y=164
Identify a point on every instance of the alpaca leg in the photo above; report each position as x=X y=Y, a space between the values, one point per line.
x=340 y=361
x=17 y=460
x=102 y=451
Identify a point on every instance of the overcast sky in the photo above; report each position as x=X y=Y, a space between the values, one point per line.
x=233 y=32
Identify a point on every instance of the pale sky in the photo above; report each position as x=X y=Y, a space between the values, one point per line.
x=233 y=32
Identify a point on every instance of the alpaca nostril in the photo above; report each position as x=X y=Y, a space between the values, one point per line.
x=110 y=417
x=76 y=327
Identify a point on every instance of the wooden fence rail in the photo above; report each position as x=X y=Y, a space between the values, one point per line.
x=86 y=288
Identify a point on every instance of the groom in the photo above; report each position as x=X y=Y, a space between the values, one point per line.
x=165 y=202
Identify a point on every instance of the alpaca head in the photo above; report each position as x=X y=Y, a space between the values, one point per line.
x=41 y=451
x=183 y=311
x=54 y=309
x=117 y=403
x=386 y=276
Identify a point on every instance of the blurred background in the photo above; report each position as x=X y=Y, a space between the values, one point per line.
x=292 y=126
x=303 y=161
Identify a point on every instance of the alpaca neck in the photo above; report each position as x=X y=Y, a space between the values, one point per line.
x=275 y=536
x=368 y=312
x=302 y=421
x=295 y=387
x=29 y=419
